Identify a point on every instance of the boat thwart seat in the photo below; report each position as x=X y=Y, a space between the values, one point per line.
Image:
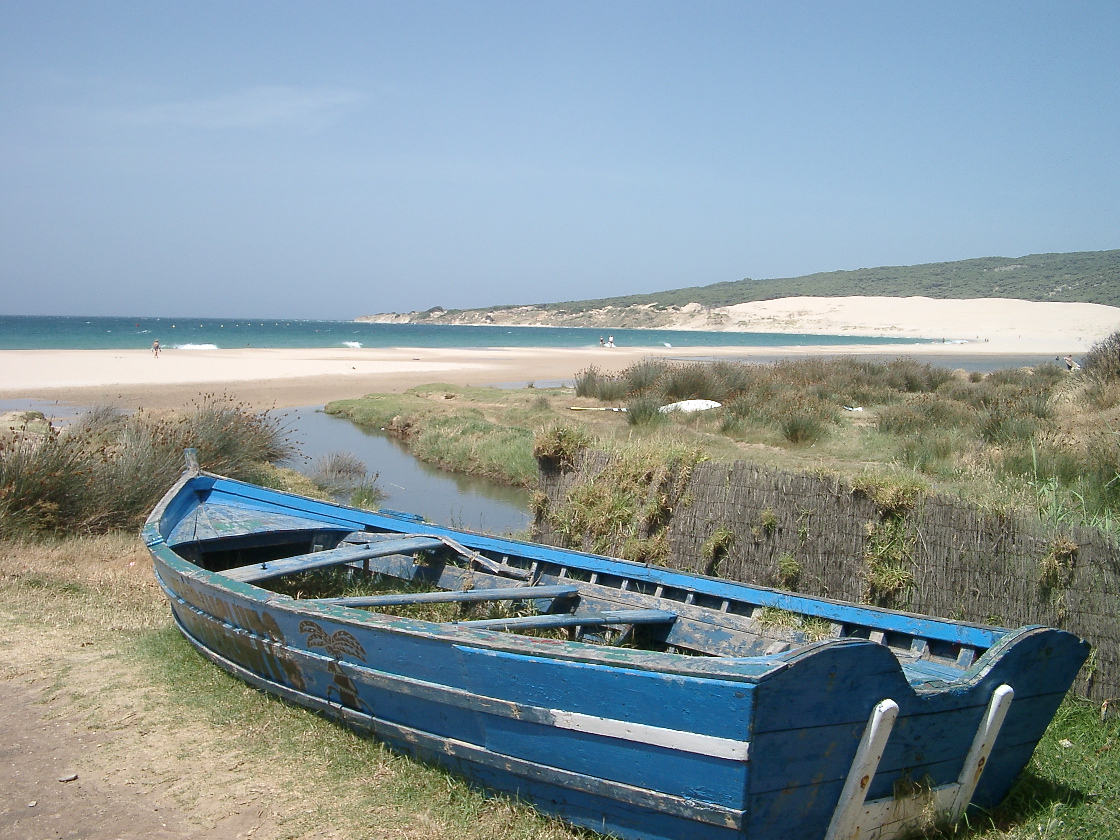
x=332 y=557
x=540 y=622
x=510 y=593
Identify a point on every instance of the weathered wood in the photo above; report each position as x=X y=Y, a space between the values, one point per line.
x=846 y=823
x=332 y=557
x=541 y=622
x=512 y=593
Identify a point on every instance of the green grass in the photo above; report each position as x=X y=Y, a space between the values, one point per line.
x=1012 y=438
x=1066 y=792
x=481 y=431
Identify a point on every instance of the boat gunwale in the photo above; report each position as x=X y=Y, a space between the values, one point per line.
x=977 y=635
x=750 y=669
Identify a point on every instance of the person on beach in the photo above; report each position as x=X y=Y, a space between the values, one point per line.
x=601 y=341
x=155 y=348
x=1071 y=365
x=610 y=341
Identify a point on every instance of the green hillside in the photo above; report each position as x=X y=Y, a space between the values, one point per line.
x=1086 y=277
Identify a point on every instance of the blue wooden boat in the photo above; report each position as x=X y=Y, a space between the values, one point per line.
x=632 y=699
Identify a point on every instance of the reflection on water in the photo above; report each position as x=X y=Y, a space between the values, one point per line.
x=412 y=486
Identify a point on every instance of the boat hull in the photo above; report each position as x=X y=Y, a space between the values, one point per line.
x=640 y=744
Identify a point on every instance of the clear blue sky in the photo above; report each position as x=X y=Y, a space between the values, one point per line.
x=332 y=159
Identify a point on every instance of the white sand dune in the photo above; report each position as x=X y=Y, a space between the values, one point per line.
x=1016 y=325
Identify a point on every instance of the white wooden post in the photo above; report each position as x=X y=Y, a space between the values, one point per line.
x=891 y=817
x=849 y=810
x=981 y=748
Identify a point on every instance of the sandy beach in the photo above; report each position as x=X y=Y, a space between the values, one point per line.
x=284 y=378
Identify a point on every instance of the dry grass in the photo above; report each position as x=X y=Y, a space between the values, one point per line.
x=107 y=470
x=83 y=619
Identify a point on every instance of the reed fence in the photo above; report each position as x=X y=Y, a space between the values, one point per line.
x=818 y=535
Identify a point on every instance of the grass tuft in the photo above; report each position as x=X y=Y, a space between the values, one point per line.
x=107 y=470
x=557 y=446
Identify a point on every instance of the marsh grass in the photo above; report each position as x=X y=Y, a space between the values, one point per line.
x=338 y=472
x=645 y=410
x=1007 y=438
x=107 y=469
x=483 y=431
x=624 y=509
x=477 y=446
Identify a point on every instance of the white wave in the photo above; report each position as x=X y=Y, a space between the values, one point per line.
x=195 y=346
x=353 y=345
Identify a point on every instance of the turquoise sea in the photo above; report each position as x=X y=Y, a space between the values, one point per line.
x=77 y=333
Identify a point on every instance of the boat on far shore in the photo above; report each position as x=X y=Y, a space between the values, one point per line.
x=635 y=700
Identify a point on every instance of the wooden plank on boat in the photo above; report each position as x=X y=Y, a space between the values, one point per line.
x=696 y=628
x=540 y=622
x=221 y=521
x=512 y=593
x=332 y=557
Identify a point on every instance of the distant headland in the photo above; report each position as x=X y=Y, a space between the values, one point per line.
x=967 y=299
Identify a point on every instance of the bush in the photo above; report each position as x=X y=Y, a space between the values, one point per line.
x=557 y=446
x=1003 y=424
x=931 y=452
x=644 y=376
x=339 y=472
x=592 y=383
x=645 y=410
x=368 y=494
x=801 y=418
x=688 y=382
x=1102 y=362
x=107 y=470
x=802 y=428
x=905 y=374
x=922 y=412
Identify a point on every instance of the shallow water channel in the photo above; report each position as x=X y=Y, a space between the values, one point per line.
x=412 y=486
